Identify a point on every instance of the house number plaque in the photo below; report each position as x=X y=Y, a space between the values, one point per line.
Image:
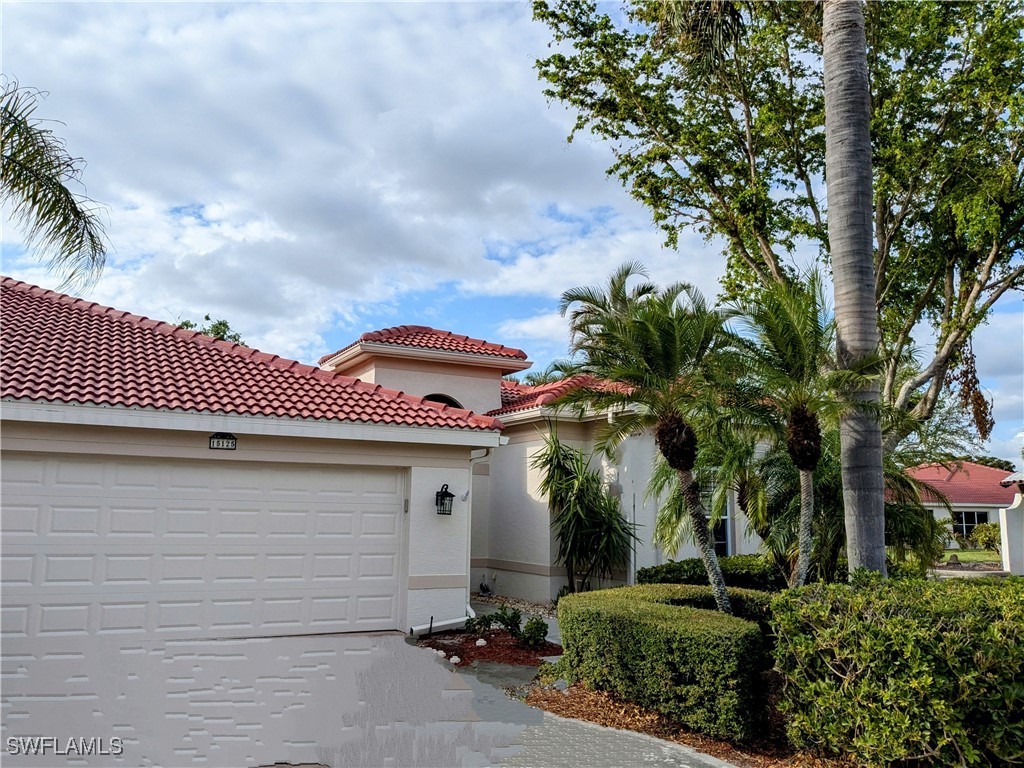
x=222 y=441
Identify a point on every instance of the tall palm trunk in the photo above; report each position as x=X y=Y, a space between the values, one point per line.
x=803 y=558
x=702 y=533
x=848 y=179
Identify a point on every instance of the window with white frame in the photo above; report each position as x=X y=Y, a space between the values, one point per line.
x=720 y=529
x=965 y=520
x=720 y=536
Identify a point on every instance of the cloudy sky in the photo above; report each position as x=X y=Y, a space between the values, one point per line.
x=314 y=171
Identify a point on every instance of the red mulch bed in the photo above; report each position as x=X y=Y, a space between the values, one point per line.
x=501 y=647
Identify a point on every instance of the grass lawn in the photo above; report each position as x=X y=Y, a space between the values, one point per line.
x=972 y=555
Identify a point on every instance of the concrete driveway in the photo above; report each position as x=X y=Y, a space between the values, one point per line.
x=334 y=700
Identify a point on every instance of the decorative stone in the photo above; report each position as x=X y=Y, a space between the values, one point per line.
x=454 y=659
x=481 y=643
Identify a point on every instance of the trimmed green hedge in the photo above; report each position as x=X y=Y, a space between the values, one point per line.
x=742 y=571
x=930 y=673
x=657 y=646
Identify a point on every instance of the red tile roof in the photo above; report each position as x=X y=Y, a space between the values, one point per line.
x=965 y=482
x=422 y=337
x=521 y=397
x=60 y=349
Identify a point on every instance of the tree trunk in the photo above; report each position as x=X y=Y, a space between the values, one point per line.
x=848 y=183
x=702 y=533
x=803 y=557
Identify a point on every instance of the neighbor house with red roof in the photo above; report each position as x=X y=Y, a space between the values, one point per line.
x=973 y=491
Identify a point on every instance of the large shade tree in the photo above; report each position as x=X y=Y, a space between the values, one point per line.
x=655 y=355
x=734 y=146
x=38 y=181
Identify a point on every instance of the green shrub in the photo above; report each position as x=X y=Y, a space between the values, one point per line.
x=963 y=542
x=742 y=571
x=914 y=672
x=534 y=633
x=986 y=536
x=509 y=618
x=906 y=569
x=655 y=645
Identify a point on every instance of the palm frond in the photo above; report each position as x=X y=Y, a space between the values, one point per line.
x=63 y=227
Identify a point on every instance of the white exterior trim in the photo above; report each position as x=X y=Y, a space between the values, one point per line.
x=546 y=413
x=377 y=349
x=202 y=421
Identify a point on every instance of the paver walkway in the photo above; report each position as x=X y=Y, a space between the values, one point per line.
x=334 y=700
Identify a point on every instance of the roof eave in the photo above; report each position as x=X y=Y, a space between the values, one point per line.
x=368 y=349
x=545 y=413
x=56 y=412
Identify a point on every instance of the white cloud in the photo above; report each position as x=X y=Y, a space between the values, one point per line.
x=351 y=152
x=549 y=327
x=346 y=158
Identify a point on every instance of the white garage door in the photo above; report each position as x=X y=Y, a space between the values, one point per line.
x=197 y=550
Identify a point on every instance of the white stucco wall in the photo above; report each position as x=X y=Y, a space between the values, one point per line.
x=1011 y=531
x=480 y=526
x=744 y=541
x=520 y=522
x=512 y=533
x=475 y=388
x=634 y=460
x=941 y=513
x=438 y=546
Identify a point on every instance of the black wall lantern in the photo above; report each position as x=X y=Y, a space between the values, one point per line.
x=443 y=499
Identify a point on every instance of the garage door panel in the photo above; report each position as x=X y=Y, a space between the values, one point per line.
x=220 y=614
x=81 y=573
x=178 y=518
x=126 y=546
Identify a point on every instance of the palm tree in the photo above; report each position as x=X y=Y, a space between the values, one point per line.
x=596 y=304
x=593 y=537
x=850 y=211
x=705 y=32
x=554 y=372
x=788 y=351
x=910 y=527
x=657 y=349
x=35 y=175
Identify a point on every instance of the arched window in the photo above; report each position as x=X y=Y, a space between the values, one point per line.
x=444 y=400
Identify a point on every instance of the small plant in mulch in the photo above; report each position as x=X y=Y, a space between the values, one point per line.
x=504 y=640
x=534 y=634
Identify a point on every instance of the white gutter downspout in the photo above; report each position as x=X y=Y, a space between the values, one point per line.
x=436 y=627
x=473 y=461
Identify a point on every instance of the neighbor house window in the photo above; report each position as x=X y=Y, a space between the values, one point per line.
x=964 y=522
x=720 y=536
x=719 y=530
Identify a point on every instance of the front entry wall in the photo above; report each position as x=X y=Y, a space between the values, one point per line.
x=187 y=549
